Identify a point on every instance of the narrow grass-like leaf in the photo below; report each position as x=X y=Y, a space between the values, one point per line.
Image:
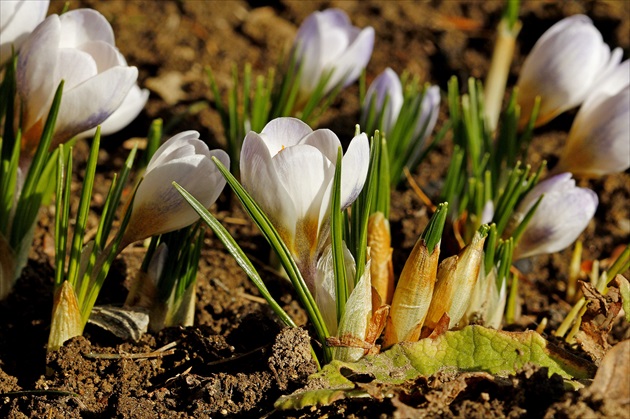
x=272 y=236
x=235 y=250
x=336 y=234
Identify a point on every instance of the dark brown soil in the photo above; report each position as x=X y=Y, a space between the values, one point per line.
x=237 y=360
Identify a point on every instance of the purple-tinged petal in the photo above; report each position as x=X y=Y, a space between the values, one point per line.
x=80 y=110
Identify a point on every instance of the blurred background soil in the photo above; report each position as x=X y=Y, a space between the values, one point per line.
x=236 y=361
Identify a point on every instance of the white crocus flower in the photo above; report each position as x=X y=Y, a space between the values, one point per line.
x=158 y=207
x=563 y=68
x=17 y=20
x=386 y=86
x=77 y=47
x=426 y=120
x=563 y=213
x=599 y=140
x=326 y=42
x=288 y=169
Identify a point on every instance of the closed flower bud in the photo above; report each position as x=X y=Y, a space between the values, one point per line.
x=158 y=207
x=385 y=94
x=327 y=42
x=456 y=280
x=77 y=47
x=17 y=20
x=563 y=213
x=562 y=68
x=412 y=296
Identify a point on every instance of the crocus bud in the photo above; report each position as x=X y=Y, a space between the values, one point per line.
x=158 y=207
x=562 y=68
x=289 y=170
x=128 y=111
x=563 y=213
x=412 y=296
x=599 y=140
x=456 y=280
x=426 y=119
x=327 y=42
x=17 y=20
x=385 y=86
x=380 y=243
x=77 y=47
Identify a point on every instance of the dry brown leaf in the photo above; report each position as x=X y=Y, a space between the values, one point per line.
x=613 y=376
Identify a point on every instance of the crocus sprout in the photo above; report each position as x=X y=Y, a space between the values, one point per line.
x=77 y=47
x=562 y=68
x=599 y=140
x=157 y=207
x=327 y=42
x=563 y=213
x=288 y=169
x=18 y=18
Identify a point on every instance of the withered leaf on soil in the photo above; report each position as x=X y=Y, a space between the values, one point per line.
x=471 y=349
x=613 y=376
x=601 y=311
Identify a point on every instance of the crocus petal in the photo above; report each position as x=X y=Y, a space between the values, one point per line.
x=304 y=172
x=354 y=169
x=36 y=62
x=562 y=68
x=182 y=144
x=17 y=20
x=83 y=25
x=104 y=55
x=158 y=207
x=131 y=107
x=77 y=67
x=80 y=111
x=260 y=179
x=349 y=66
x=325 y=141
x=563 y=213
x=280 y=133
x=599 y=140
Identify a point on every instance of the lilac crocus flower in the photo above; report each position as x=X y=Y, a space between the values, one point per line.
x=599 y=140
x=327 y=42
x=158 y=207
x=563 y=213
x=77 y=47
x=386 y=86
x=562 y=68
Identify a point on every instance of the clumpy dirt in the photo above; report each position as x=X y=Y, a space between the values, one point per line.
x=237 y=359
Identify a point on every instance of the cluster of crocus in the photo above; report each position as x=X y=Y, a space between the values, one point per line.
x=77 y=47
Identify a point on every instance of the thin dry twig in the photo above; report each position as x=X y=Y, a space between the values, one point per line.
x=168 y=349
x=416 y=188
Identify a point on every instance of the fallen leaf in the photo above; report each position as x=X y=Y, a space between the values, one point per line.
x=613 y=376
x=471 y=349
